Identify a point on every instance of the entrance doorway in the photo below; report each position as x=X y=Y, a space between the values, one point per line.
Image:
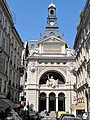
x=52 y=102
x=42 y=102
x=61 y=102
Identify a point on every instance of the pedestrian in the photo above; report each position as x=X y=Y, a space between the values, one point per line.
x=1 y=114
x=85 y=116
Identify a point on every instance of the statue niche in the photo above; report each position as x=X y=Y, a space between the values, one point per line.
x=51 y=82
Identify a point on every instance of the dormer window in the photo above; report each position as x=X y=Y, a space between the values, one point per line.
x=44 y=36
x=51 y=33
x=58 y=36
x=32 y=46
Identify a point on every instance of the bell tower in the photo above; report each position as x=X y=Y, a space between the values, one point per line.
x=51 y=20
x=51 y=28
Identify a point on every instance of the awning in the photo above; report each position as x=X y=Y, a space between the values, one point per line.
x=5 y=103
x=19 y=105
x=79 y=106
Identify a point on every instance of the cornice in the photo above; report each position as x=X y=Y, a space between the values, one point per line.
x=49 y=89
x=6 y=10
x=50 y=58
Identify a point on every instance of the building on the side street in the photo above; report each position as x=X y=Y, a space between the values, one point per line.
x=49 y=81
x=82 y=48
x=11 y=47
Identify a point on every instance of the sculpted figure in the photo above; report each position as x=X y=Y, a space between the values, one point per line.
x=52 y=82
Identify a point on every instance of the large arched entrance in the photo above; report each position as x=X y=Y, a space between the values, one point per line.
x=48 y=81
x=61 y=102
x=52 y=102
x=42 y=102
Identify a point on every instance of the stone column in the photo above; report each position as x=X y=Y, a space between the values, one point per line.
x=56 y=102
x=47 y=103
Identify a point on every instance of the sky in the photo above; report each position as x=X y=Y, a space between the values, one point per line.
x=30 y=17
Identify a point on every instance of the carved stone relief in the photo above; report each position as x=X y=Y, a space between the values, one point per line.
x=51 y=82
x=33 y=67
x=40 y=69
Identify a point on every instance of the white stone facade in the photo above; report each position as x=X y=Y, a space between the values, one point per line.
x=49 y=84
x=82 y=48
x=40 y=63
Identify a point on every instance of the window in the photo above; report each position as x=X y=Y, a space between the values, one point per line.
x=0 y=84
x=7 y=46
x=12 y=41
x=3 y=20
x=32 y=46
x=10 y=74
x=9 y=30
x=0 y=16
x=4 y=86
x=5 y=26
x=14 y=61
x=0 y=33
x=18 y=50
x=6 y=67
x=13 y=78
x=11 y=56
x=3 y=43
x=52 y=13
x=51 y=33
x=15 y=45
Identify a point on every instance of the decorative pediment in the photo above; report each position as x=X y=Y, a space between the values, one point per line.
x=52 y=39
x=52 y=44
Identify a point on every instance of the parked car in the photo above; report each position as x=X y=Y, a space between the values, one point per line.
x=71 y=118
x=8 y=116
x=66 y=114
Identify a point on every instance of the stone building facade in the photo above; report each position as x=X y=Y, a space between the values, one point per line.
x=82 y=48
x=10 y=58
x=49 y=83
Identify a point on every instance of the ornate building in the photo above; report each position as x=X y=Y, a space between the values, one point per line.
x=49 y=83
x=10 y=58
x=82 y=48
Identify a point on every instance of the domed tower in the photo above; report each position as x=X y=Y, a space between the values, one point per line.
x=51 y=27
